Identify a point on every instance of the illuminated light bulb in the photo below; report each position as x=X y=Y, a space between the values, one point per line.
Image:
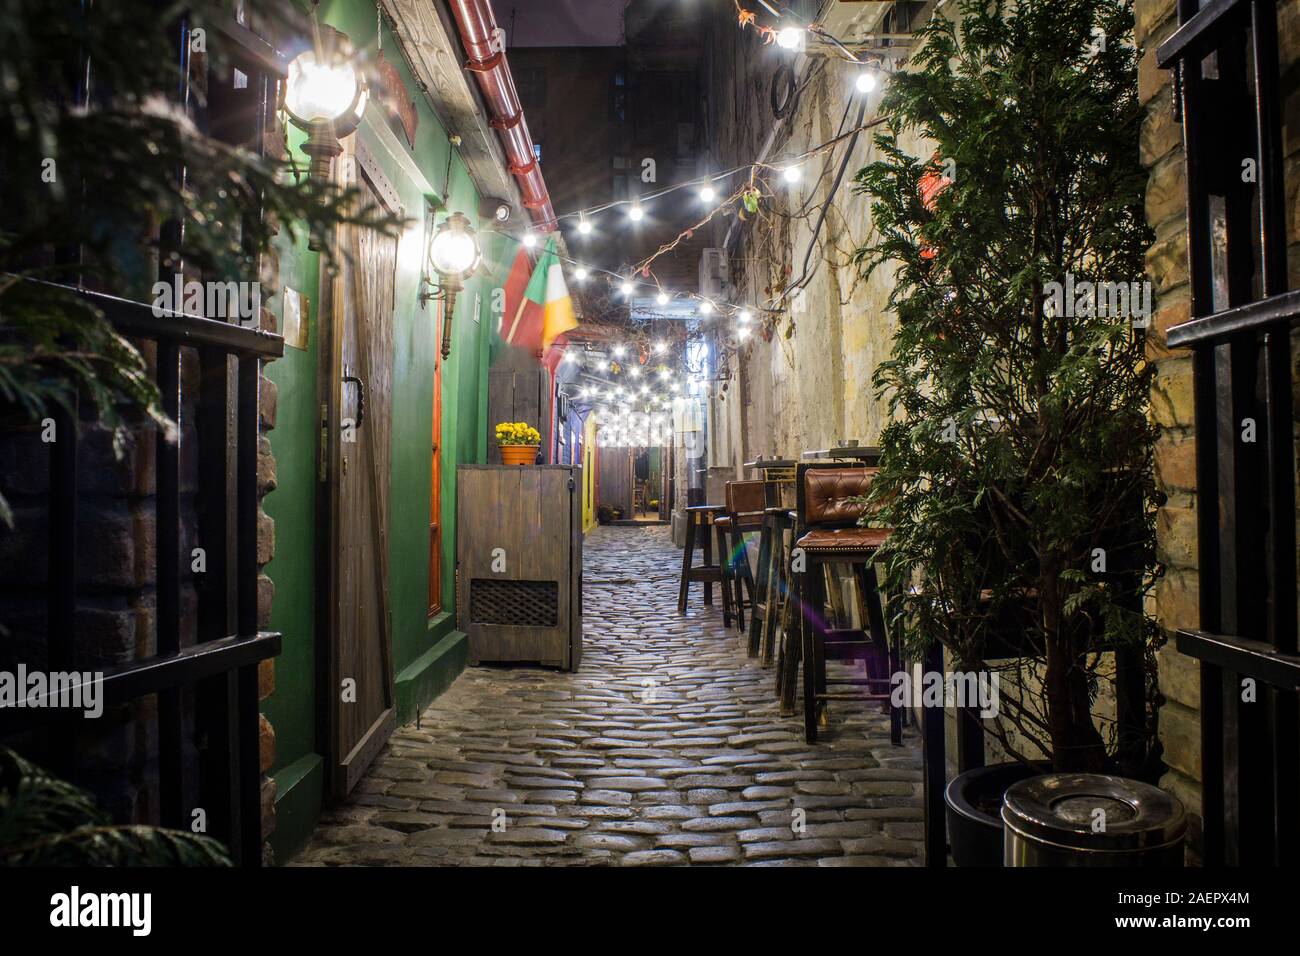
x=789 y=38
x=626 y=287
x=866 y=81
x=791 y=174
x=708 y=194
x=636 y=213
x=743 y=333
x=636 y=373
x=570 y=356
x=663 y=298
x=530 y=240
x=584 y=227
x=660 y=346
x=706 y=307
x=745 y=316
x=581 y=274
x=619 y=351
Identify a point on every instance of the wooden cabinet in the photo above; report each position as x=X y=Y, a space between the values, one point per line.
x=519 y=563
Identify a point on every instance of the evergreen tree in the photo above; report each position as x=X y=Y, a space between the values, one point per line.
x=1017 y=468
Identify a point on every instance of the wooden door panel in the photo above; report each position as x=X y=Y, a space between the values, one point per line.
x=362 y=644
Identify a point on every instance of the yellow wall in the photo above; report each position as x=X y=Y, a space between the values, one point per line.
x=589 y=474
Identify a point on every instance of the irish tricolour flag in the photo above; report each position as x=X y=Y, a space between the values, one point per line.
x=545 y=310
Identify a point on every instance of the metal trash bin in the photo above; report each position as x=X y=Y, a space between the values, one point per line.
x=1088 y=819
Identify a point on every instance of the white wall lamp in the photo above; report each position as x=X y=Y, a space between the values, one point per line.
x=325 y=96
x=454 y=255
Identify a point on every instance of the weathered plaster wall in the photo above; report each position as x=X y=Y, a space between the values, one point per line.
x=804 y=379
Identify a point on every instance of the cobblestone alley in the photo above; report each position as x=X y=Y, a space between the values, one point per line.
x=665 y=748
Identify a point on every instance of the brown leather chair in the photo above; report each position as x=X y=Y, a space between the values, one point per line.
x=831 y=535
x=784 y=640
x=745 y=503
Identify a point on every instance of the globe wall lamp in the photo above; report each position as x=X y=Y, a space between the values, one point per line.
x=454 y=255
x=325 y=96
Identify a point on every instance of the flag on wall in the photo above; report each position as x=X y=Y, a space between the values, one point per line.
x=544 y=310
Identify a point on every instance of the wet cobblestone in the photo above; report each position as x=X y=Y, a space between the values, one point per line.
x=666 y=748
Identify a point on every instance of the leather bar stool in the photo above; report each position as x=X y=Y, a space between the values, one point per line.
x=744 y=514
x=785 y=638
x=699 y=534
x=830 y=534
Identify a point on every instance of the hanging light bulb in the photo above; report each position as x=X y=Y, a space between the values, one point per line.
x=626 y=288
x=620 y=351
x=744 y=317
x=636 y=213
x=743 y=332
x=662 y=298
x=660 y=347
x=866 y=81
x=790 y=38
x=584 y=226
x=791 y=174
x=530 y=240
x=706 y=307
x=570 y=357
x=636 y=373
x=708 y=193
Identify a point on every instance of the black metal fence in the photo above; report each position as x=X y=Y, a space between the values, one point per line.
x=1228 y=88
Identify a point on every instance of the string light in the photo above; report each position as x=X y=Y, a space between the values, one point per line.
x=789 y=38
x=791 y=174
x=706 y=307
x=530 y=240
x=707 y=193
x=636 y=213
x=627 y=287
x=660 y=347
x=866 y=81
x=581 y=273
x=663 y=298
x=744 y=317
x=584 y=226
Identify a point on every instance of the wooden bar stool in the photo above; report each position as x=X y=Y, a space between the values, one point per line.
x=830 y=534
x=698 y=534
x=744 y=514
x=786 y=638
x=773 y=582
x=777 y=475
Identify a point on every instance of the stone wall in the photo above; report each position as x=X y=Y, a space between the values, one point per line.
x=803 y=380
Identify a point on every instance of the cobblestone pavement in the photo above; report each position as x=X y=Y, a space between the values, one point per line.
x=665 y=748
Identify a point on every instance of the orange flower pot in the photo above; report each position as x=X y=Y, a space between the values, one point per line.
x=518 y=454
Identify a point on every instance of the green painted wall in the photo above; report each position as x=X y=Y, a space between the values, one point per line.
x=427 y=653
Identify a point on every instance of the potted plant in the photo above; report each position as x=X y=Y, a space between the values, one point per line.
x=1016 y=470
x=518 y=442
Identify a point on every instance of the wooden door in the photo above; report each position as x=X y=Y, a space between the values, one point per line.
x=361 y=663
x=435 y=484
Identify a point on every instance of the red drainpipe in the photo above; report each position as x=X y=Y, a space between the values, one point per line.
x=478 y=32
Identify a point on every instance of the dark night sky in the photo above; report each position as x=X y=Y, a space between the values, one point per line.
x=561 y=22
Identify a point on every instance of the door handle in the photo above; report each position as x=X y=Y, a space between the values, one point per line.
x=361 y=397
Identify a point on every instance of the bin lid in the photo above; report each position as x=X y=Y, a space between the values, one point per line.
x=1061 y=808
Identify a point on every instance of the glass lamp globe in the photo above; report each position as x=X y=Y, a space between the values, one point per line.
x=454 y=251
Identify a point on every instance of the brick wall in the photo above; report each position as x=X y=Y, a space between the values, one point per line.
x=1171 y=400
x=1171 y=403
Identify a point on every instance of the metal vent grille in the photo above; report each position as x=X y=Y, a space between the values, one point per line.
x=514 y=603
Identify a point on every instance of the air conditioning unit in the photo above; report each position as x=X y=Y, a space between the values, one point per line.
x=852 y=21
x=713 y=274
